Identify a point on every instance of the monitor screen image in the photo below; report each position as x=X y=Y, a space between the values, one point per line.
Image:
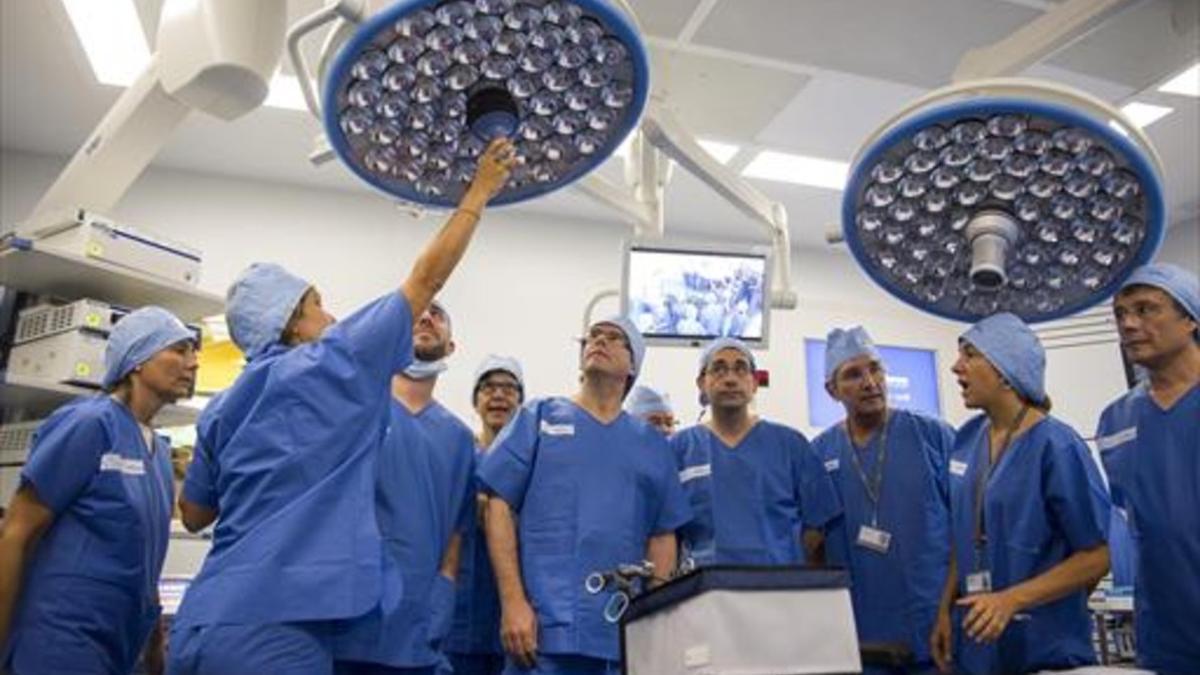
x=689 y=296
x=912 y=382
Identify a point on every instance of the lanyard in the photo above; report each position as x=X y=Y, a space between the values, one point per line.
x=982 y=479
x=874 y=488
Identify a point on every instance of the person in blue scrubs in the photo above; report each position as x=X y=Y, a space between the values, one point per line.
x=1148 y=441
x=652 y=406
x=758 y=491
x=592 y=488
x=889 y=467
x=1029 y=515
x=473 y=647
x=424 y=500
x=289 y=468
x=84 y=538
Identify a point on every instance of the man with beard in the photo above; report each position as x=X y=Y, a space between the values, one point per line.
x=423 y=502
x=593 y=488
x=754 y=485
x=473 y=647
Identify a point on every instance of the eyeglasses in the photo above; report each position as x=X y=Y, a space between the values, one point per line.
x=612 y=336
x=721 y=369
x=488 y=388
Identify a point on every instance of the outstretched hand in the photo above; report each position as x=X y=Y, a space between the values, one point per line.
x=495 y=165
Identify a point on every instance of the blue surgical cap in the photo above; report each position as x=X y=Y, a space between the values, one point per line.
x=137 y=337
x=445 y=312
x=1172 y=280
x=717 y=345
x=259 y=304
x=493 y=363
x=637 y=344
x=644 y=401
x=841 y=345
x=1014 y=350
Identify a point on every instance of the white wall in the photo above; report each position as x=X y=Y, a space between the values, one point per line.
x=521 y=289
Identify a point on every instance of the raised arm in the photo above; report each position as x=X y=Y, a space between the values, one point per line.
x=441 y=255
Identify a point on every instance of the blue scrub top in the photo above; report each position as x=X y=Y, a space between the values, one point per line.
x=751 y=502
x=423 y=496
x=589 y=496
x=895 y=594
x=90 y=593
x=476 y=625
x=1153 y=461
x=291 y=449
x=1044 y=502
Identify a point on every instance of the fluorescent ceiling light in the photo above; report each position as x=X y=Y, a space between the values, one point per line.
x=798 y=169
x=1145 y=114
x=1186 y=83
x=285 y=93
x=112 y=37
x=722 y=152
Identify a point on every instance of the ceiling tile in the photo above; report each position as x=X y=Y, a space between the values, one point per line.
x=664 y=18
x=916 y=42
x=834 y=114
x=720 y=97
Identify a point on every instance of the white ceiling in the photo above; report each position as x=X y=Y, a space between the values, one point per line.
x=812 y=77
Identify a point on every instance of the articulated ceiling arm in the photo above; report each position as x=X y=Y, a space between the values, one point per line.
x=217 y=56
x=663 y=130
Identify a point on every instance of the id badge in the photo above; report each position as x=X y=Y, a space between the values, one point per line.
x=874 y=539
x=979 y=582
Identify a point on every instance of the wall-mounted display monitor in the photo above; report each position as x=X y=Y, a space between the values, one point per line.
x=689 y=295
x=912 y=382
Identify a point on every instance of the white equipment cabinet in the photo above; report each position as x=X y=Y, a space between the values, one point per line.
x=743 y=620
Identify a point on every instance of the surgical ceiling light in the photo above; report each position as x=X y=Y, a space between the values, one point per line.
x=420 y=88
x=1004 y=195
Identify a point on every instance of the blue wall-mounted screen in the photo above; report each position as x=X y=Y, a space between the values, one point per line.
x=912 y=382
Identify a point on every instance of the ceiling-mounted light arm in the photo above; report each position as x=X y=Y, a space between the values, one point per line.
x=342 y=11
x=619 y=199
x=217 y=56
x=663 y=129
x=121 y=146
x=1037 y=39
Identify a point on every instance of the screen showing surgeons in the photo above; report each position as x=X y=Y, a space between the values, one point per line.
x=537 y=438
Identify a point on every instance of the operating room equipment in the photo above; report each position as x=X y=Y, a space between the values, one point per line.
x=625 y=580
x=41 y=321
